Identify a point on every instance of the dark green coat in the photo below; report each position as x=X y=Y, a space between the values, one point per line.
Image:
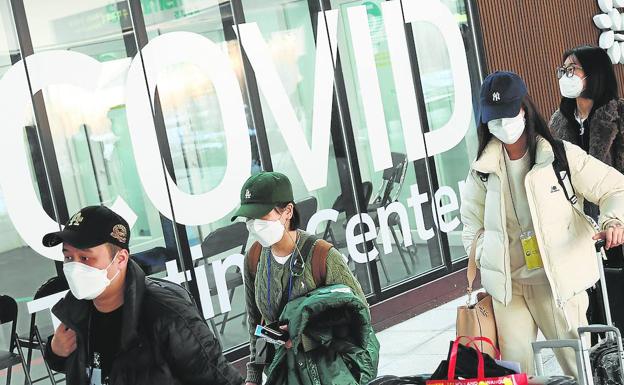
x=333 y=341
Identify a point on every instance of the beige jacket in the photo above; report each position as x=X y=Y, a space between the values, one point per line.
x=564 y=234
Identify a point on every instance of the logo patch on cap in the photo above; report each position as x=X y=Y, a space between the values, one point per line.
x=76 y=219
x=120 y=233
x=247 y=194
x=496 y=97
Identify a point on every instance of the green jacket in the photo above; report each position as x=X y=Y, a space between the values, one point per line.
x=256 y=292
x=333 y=341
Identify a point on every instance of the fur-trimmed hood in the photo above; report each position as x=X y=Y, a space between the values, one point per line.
x=606 y=132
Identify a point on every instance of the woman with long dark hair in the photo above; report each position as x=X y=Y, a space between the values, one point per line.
x=590 y=114
x=536 y=254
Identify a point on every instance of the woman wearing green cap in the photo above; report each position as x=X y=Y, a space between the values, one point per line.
x=279 y=266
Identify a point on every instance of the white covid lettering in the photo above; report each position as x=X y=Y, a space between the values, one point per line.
x=24 y=208
x=162 y=52
x=438 y=15
x=311 y=161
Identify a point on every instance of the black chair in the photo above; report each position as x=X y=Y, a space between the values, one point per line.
x=34 y=340
x=219 y=241
x=340 y=206
x=8 y=314
x=393 y=178
x=392 y=182
x=307 y=208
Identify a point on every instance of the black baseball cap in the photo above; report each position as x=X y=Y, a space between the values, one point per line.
x=261 y=193
x=501 y=95
x=90 y=227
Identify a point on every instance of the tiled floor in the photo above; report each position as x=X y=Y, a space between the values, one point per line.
x=417 y=345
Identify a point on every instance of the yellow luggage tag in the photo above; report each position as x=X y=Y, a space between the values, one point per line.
x=532 y=255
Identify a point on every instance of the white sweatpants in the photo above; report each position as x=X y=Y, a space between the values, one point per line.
x=532 y=307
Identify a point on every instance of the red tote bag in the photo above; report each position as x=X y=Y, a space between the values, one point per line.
x=513 y=379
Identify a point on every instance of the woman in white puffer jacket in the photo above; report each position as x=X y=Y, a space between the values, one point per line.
x=513 y=193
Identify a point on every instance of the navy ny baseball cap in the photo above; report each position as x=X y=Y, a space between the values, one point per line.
x=501 y=95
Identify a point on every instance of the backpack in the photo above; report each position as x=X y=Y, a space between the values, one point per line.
x=319 y=247
x=561 y=168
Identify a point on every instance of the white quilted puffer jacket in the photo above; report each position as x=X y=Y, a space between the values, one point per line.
x=563 y=232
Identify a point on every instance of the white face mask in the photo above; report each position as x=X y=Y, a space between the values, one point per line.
x=267 y=233
x=508 y=130
x=86 y=282
x=571 y=87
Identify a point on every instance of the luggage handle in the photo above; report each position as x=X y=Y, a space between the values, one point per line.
x=557 y=344
x=599 y=245
x=609 y=329
x=600 y=329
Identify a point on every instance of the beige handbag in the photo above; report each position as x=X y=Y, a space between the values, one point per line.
x=477 y=320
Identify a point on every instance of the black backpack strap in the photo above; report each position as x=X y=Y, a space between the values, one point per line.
x=562 y=171
x=483 y=176
x=305 y=249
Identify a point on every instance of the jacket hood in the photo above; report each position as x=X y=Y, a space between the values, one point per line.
x=331 y=315
x=333 y=340
x=492 y=158
x=75 y=313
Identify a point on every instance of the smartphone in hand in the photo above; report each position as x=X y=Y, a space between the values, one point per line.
x=272 y=333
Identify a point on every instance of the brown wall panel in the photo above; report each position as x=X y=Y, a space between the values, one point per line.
x=529 y=37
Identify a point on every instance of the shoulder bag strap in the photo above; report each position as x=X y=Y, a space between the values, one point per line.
x=253 y=258
x=319 y=261
x=471 y=271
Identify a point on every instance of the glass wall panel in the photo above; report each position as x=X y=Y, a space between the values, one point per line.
x=406 y=240
x=439 y=90
x=296 y=95
x=203 y=116
x=88 y=118
x=24 y=189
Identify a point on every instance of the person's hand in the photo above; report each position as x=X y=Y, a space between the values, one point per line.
x=288 y=343
x=614 y=235
x=64 y=341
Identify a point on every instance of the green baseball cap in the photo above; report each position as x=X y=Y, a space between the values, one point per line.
x=261 y=193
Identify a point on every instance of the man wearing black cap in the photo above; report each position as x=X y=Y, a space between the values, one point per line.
x=120 y=327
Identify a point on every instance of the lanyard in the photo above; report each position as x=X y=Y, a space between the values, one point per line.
x=270 y=257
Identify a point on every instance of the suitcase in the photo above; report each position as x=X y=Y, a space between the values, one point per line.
x=603 y=362
x=600 y=364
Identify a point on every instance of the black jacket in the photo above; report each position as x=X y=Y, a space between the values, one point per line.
x=164 y=338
